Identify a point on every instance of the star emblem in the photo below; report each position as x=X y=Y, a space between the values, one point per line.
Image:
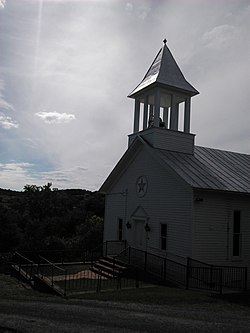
x=142 y=185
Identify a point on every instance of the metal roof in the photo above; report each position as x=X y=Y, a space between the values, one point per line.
x=211 y=168
x=208 y=168
x=164 y=70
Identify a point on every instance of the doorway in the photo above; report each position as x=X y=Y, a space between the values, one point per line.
x=140 y=237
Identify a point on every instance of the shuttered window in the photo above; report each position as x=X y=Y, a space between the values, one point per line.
x=163 y=236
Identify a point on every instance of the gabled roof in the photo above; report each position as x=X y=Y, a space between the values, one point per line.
x=208 y=168
x=164 y=70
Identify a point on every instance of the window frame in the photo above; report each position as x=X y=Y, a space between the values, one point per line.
x=237 y=235
x=163 y=236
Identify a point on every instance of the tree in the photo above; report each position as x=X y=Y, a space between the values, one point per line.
x=31 y=188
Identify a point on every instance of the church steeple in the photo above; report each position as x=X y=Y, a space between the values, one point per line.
x=164 y=71
x=161 y=91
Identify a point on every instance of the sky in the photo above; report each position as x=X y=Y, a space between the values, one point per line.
x=67 y=66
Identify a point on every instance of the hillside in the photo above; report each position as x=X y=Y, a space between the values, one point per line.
x=42 y=218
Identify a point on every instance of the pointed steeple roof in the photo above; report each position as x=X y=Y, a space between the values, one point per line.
x=165 y=71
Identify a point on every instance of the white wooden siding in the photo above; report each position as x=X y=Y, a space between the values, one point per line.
x=168 y=200
x=213 y=227
x=167 y=139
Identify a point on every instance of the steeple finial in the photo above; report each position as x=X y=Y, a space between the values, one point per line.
x=164 y=41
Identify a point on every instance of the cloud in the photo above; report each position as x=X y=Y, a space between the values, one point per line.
x=15 y=166
x=16 y=174
x=7 y=122
x=2 y=4
x=55 y=117
x=129 y=8
x=141 y=11
x=220 y=36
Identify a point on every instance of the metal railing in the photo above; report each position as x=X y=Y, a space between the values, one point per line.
x=87 y=280
x=114 y=247
x=59 y=256
x=80 y=279
x=24 y=266
x=195 y=274
x=231 y=277
x=50 y=272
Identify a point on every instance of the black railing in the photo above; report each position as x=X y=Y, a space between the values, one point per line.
x=68 y=282
x=114 y=247
x=232 y=277
x=79 y=278
x=194 y=274
x=59 y=256
x=50 y=271
x=161 y=268
x=87 y=280
x=77 y=255
x=24 y=266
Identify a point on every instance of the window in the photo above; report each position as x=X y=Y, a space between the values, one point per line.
x=236 y=234
x=163 y=237
x=120 y=223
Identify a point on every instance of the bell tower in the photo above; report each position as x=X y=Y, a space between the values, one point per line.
x=157 y=105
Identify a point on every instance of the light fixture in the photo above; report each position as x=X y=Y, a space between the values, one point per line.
x=128 y=225
x=147 y=227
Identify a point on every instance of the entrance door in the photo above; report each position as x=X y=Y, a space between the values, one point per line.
x=139 y=235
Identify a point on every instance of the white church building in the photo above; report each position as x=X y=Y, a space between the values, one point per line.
x=168 y=196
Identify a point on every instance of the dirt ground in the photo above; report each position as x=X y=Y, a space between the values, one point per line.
x=32 y=316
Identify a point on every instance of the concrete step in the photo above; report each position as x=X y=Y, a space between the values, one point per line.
x=110 y=270
x=108 y=267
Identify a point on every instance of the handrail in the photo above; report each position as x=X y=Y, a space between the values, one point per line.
x=51 y=263
x=20 y=255
x=26 y=267
x=216 y=266
x=202 y=276
x=53 y=267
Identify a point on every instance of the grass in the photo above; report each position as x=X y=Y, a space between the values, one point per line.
x=150 y=295
x=10 y=287
x=155 y=295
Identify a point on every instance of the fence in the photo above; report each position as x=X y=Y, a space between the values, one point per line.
x=114 y=247
x=231 y=277
x=77 y=255
x=87 y=280
x=194 y=274
x=80 y=279
x=59 y=256
x=157 y=267
x=25 y=267
x=50 y=273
